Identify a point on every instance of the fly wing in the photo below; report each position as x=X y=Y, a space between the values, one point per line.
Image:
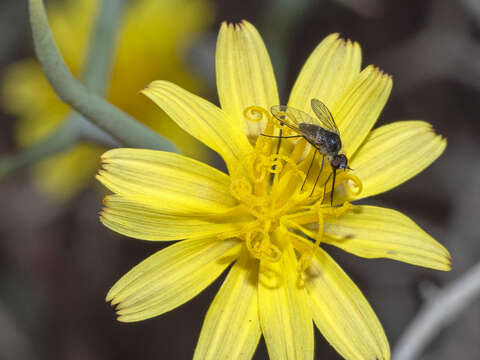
x=292 y=117
x=324 y=116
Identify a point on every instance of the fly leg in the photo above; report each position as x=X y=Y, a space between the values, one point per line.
x=333 y=186
x=318 y=176
x=309 y=168
x=281 y=137
x=325 y=187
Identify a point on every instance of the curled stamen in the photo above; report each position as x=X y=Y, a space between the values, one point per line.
x=258 y=243
x=241 y=189
x=253 y=242
x=277 y=166
x=287 y=174
x=284 y=158
x=260 y=169
x=273 y=253
x=353 y=184
x=256 y=113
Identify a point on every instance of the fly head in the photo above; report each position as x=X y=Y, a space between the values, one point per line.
x=339 y=161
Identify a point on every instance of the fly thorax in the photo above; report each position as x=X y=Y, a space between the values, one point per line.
x=332 y=142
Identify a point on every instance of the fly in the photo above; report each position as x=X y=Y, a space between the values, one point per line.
x=322 y=133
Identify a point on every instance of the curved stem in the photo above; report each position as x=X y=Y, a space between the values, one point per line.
x=121 y=126
x=98 y=67
x=438 y=313
x=97 y=71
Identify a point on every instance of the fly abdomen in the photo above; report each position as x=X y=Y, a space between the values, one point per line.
x=327 y=141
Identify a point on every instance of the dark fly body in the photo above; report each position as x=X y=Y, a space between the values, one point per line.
x=321 y=132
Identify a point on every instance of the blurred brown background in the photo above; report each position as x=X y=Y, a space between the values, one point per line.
x=57 y=261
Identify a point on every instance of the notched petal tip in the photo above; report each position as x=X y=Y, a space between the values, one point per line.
x=439 y=136
x=444 y=261
x=375 y=70
x=101 y=216
x=151 y=87
x=109 y=154
x=448 y=262
x=114 y=301
x=332 y=36
x=101 y=176
x=108 y=298
x=224 y=27
x=235 y=26
x=242 y=25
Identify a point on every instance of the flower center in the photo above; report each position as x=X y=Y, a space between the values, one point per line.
x=283 y=185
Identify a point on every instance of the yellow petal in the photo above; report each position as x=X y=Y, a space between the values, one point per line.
x=394 y=153
x=341 y=312
x=170 y=183
x=231 y=329
x=244 y=74
x=359 y=107
x=329 y=70
x=130 y=217
x=201 y=119
x=375 y=232
x=170 y=277
x=284 y=314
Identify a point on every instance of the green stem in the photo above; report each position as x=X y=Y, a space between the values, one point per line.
x=97 y=71
x=120 y=125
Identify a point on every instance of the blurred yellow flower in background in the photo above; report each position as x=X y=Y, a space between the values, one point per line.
x=150 y=45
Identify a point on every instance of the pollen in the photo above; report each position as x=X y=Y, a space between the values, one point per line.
x=287 y=205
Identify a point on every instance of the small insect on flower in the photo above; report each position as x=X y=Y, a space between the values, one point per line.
x=322 y=133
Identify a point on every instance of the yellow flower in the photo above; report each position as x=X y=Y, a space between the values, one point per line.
x=260 y=218
x=150 y=27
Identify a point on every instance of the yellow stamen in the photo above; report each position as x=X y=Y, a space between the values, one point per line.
x=267 y=183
